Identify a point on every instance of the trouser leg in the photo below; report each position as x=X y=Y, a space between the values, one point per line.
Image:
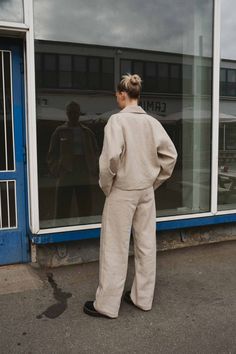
x=114 y=249
x=144 y=235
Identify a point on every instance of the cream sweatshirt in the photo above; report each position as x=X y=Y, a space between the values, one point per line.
x=137 y=152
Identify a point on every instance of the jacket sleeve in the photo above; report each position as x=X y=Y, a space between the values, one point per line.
x=166 y=155
x=109 y=161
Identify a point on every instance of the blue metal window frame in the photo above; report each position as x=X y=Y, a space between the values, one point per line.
x=161 y=226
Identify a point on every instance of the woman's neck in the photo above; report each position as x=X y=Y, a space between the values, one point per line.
x=131 y=103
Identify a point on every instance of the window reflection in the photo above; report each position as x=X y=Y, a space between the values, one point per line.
x=163 y=25
x=68 y=152
x=227 y=129
x=177 y=90
x=74 y=72
x=73 y=161
x=11 y=10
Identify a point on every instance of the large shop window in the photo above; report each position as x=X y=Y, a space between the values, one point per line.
x=78 y=64
x=227 y=133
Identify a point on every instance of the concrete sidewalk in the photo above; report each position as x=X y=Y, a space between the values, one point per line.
x=194 y=309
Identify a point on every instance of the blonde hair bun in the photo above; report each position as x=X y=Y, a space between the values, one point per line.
x=130 y=84
x=135 y=79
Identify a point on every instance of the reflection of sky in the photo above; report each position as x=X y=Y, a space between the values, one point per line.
x=11 y=10
x=163 y=25
x=228 y=29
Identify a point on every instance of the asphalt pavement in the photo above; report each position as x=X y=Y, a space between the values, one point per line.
x=194 y=309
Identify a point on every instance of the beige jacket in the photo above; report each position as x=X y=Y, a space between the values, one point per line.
x=137 y=152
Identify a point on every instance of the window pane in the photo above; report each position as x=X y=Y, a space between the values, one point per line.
x=222 y=75
x=12 y=203
x=230 y=135
x=150 y=80
x=7 y=162
x=50 y=62
x=138 y=68
x=223 y=82
x=3 y=165
x=8 y=108
x=175 y=79
x=80 y=72
x=65 y=69
x=231 y=82
x=187 y=79
x=174 y=59
x=204 y=80
x=4 y=205
x=11 y=10
x=227 y=133
x=93 y=73
x=50 y=76
x=125 y=67
x=65 y=63
x=163 y=77
x=231 y=76
x=107 y=74
x=39 y=69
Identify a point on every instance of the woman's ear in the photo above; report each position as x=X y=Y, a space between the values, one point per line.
x=124 y=95
x=120 y=94
x=121 y=99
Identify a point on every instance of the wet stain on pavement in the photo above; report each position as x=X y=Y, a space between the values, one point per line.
x=60 y=296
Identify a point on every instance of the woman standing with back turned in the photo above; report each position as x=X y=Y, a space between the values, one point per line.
x=137 y=157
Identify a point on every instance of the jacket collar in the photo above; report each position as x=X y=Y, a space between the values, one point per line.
x=133 y=109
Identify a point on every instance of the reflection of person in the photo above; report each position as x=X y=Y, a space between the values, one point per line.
x=137 y=157
x=73 y=159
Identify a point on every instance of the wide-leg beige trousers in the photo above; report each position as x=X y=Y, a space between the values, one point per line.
x=124 y=210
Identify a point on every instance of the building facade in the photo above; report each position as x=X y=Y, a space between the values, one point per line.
x=60 y=63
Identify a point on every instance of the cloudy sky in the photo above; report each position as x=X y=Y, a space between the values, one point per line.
x=163 y=25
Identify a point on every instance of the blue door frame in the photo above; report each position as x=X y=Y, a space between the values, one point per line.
x=14 y=242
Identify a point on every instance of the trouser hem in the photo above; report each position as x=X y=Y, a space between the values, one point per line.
x=144 y=308
x=104 y=312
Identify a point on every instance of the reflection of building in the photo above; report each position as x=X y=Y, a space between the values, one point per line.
x=61 y=68
x=83 y=62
